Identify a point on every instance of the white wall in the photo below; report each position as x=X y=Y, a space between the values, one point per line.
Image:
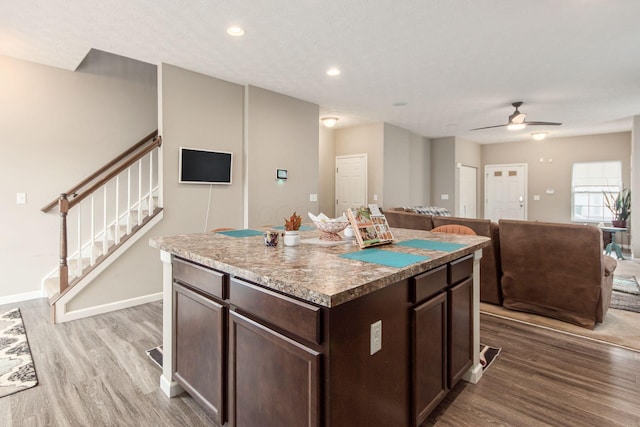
x=282 y=134
x=57 y=127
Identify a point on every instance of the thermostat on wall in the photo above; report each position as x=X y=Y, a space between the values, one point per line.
x=281 y=174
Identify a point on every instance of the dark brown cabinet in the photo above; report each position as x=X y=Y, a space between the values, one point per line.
x=200 y=335
x=273 y=380
x=442 y=333
x=429 y=356
x=252 y=356
x=460 y=342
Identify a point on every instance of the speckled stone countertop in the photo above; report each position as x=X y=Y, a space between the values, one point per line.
x=313 y=273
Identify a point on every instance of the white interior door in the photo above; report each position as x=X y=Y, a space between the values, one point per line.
x=351 y=182
x=468 y=192
x=505 y=189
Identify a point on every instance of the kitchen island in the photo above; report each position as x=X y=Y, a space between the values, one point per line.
x=275 y=336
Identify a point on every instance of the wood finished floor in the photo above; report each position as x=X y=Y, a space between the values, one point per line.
x=94 y=372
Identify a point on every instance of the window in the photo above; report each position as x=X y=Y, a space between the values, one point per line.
x=588 y=182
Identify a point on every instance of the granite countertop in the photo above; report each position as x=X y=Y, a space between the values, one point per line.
x=313 y=273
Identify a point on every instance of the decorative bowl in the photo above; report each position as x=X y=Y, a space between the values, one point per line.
x=329 y=229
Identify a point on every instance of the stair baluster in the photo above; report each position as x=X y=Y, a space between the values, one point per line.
x=63 y=205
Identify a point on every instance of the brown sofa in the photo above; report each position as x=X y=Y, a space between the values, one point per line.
x=556 y=270
x=489 y=264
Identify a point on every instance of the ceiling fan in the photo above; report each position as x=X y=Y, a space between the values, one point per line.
x=517 y=120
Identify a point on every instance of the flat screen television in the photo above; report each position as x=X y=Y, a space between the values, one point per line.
x=197 y=166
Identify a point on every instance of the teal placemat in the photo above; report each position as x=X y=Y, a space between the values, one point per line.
x=432 y=245
x=241 y=233
x=302 y=228
x=388 y=258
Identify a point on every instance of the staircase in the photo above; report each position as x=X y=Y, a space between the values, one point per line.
x=100 y=218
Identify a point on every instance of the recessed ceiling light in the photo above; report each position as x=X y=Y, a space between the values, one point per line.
x=235 y=31
x=333 y=71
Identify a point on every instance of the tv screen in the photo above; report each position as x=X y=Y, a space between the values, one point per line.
x=204 y=166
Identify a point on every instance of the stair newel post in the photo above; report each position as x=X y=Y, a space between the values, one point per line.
x=63 y=205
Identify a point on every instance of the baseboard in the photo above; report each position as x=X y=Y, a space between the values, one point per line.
x=62 y=316
x=10 y=299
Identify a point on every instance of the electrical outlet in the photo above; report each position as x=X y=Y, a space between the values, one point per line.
x=376 y=337
x=375 y=197
x=21 y=198
x=444 y=197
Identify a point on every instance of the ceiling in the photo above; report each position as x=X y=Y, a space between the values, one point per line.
x=457 y=64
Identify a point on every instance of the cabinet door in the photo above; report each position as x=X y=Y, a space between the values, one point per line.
x=460 y=330
x=273 y=380
x=429 y=356
x=200 y=331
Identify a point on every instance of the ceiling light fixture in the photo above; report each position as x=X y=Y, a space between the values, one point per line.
x=516 y=126
x=235 y=31
x=539 y=136
x=333 y=72
x=329 y=121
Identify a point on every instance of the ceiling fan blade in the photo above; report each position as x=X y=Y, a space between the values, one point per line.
x=542 y=124
x=489 y=127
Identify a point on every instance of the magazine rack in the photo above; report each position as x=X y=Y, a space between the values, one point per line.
x=370 y=226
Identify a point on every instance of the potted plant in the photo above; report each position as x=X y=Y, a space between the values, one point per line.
x=620 y=206
x=291 y=230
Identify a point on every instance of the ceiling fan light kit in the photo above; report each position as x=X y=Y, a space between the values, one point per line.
x=329 y=121
x=539 y=136
x=517 y=121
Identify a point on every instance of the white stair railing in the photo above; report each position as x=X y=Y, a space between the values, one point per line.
x=117 y=218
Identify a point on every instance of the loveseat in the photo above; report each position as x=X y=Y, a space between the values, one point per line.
x=555 y=270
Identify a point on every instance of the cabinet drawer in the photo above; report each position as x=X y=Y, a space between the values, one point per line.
x=299 y=318
x=204 y=279
x=428 y=283
x=460 y=269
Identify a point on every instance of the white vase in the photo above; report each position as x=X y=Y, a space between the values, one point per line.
x=348 y=232
x=291 y=238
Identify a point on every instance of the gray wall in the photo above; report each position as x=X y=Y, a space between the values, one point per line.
x=443 y=172
x=406 y=167
x=367 y=139
x=326 y=170
x=469 y=153
x=282 y=134
x=558 y=155
x=198 y=112
x=56 y=128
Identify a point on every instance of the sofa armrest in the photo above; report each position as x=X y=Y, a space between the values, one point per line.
x=610 y=265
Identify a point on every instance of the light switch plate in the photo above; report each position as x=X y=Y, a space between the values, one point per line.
x=444 y=197
x=313 y=197
x=21 y=198
x=376 y=337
